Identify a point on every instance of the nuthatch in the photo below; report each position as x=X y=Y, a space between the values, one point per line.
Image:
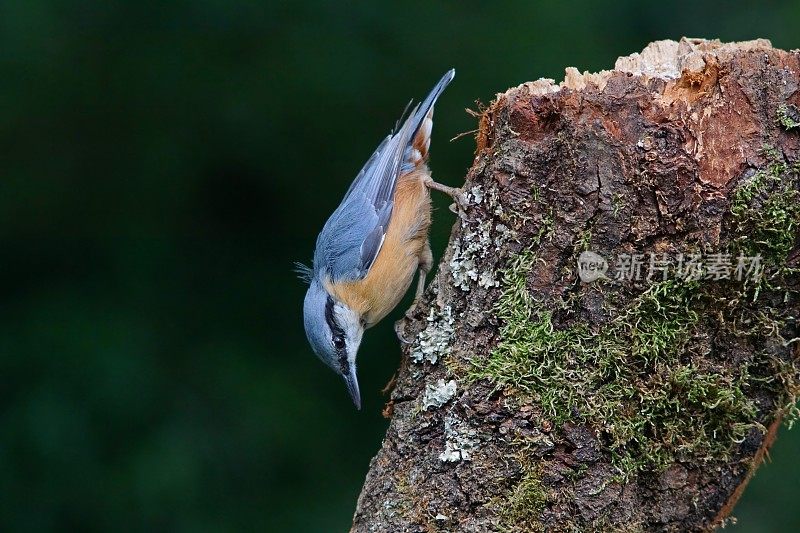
x=373 y=244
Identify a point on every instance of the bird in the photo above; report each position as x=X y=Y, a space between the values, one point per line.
x=374 y=243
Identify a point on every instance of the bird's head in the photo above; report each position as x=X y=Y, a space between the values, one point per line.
x=334 y=332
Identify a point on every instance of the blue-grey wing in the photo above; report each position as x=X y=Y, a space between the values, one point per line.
x=352 y=237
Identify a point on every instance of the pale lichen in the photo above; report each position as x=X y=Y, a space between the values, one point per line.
x=477 y=243
x=434 y=340
x=460 y=440
x=475 y=195
x=439 y=393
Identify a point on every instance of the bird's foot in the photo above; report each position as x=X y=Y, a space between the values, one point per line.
x=389 y=387
x=459 y=196
x=412 y=309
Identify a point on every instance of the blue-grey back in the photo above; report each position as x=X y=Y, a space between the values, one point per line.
x=352 y=237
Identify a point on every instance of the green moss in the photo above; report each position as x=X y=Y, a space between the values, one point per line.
x=788 y=116
x=766 y=221
x=685 y=412
x=784 y=376
x=627 y=375
x=584 y=240
x=659 y=320
x=536 y=193
x=766 y=212
x=522 y=508
x=617 y=203
x=640 y=378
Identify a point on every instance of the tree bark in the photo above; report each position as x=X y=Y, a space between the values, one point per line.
x=534 y=397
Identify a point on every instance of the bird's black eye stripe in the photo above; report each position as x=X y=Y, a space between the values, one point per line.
x=339 y=343
x=336 y=331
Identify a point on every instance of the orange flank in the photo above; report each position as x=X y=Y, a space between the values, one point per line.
x=403 y=249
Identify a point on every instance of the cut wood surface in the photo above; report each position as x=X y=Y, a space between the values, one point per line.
x=639 y=390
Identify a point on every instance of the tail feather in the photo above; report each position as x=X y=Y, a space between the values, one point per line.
x=416 y=153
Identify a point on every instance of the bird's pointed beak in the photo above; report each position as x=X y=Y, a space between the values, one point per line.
x=352 y=386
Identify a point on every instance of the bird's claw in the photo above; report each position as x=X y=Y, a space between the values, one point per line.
x=458 y=195
x=461 y=199
x=412 y=309
x=460 y=202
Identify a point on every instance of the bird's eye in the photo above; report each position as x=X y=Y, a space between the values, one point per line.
x=338 y=342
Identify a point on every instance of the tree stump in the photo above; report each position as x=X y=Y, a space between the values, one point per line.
x=611 y=341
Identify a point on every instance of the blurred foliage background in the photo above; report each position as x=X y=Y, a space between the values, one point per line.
x=163 y=164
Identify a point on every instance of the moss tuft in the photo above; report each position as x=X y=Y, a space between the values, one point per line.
x=788 y=116
x=766 y=222
x=766 y=212
x=627 y=375
x=521 y=511
x=584 y=240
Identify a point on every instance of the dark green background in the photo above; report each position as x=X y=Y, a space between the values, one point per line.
x=163 y=164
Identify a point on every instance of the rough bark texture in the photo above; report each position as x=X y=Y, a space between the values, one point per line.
x=532 y=400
